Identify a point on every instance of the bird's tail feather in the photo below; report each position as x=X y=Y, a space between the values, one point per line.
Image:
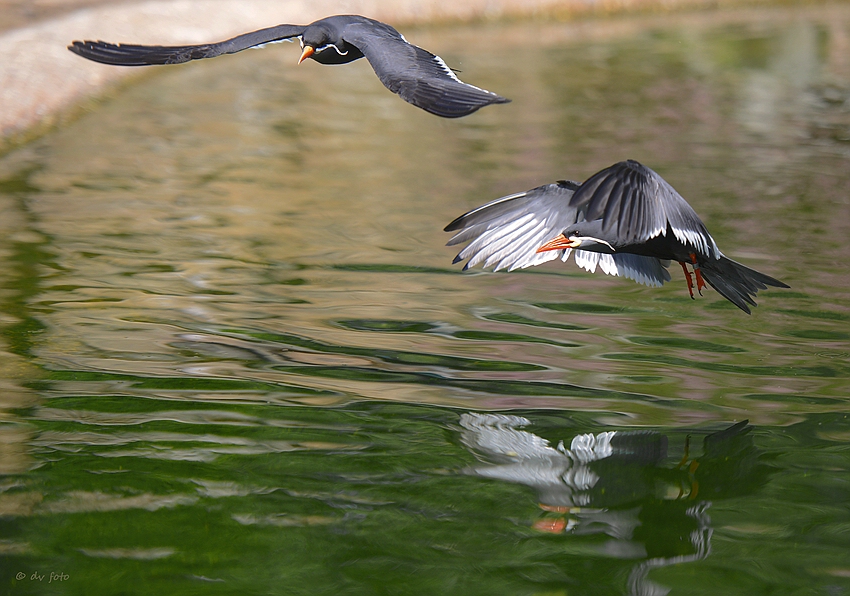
x=735 y=282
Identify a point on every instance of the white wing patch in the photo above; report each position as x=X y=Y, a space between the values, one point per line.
x=268 y=43
x=448 y=71
x=589 y=260
x=682 y=219
x=696 y=240
x=647 y=271
x=657 y=232
x=445 y=68
x=703 y=244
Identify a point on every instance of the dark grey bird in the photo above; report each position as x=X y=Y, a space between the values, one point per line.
x=418 y=76
x=626 y=220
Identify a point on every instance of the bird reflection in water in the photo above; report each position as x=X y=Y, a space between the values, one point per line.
x=621 y=484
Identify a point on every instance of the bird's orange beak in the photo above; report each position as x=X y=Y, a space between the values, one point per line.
x=556 y=244
x=308 y=51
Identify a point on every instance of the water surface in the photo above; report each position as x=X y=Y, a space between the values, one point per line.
x=236 y=356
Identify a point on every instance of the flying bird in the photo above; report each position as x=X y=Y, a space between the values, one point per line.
x=626 y=220
x=418 y=76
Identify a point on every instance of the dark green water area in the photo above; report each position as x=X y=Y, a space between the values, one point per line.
x=235 y=357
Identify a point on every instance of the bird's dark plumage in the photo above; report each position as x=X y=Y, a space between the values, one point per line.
x=419 y=77
x=627 y=220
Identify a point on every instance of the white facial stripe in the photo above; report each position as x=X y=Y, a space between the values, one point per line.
x=592 y=239
x=330 y=45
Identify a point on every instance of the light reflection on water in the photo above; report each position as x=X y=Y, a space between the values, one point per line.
x=231 y=236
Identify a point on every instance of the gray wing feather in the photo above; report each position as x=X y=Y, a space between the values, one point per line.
x=636 y=204
x=416 y=75
x=141 y=55
x=505 y=233
x=648 y=271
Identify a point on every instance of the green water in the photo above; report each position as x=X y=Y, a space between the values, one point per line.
x=236 y=357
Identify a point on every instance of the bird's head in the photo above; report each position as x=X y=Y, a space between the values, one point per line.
x=575 y=238
x=316 y=39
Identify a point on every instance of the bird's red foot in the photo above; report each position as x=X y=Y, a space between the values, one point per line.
x=698 y=273
x=689 y=279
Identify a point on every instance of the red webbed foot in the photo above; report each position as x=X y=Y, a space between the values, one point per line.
x=698 y=273
x=689 y=279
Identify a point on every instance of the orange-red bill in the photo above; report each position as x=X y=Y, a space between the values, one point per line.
x=308 y=51
x=552 y=526
x=555 y=244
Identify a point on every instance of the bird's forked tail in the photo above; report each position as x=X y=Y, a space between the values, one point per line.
x=735 y=282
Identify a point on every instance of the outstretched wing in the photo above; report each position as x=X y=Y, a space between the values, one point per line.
x=139 y=55
x=506 y=233
x=416 y=75
x=636 y=205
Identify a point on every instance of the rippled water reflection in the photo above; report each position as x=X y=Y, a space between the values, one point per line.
x=236 y=355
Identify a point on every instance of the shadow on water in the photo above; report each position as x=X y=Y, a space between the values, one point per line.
x=236 y=358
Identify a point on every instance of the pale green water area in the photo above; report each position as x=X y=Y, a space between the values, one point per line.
x=237 y=359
